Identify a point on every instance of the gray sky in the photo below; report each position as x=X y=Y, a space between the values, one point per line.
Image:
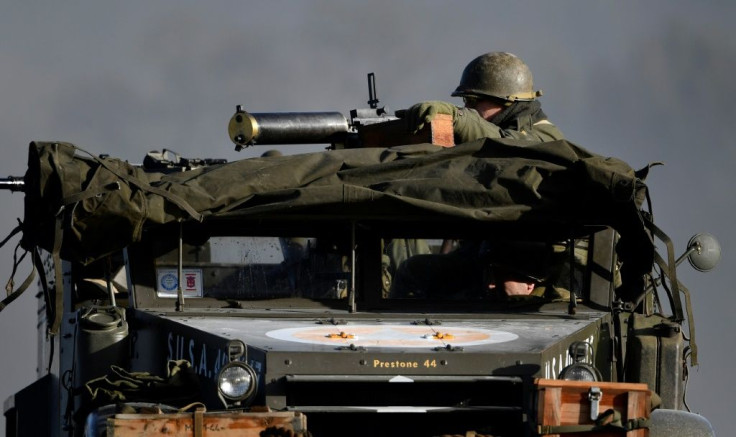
x=642 y=81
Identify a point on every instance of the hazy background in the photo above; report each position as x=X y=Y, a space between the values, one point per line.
x=643 y=81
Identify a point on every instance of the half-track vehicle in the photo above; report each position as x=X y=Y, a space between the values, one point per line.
x=353 y=291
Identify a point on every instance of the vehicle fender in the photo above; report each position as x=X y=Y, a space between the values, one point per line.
x=675 y=423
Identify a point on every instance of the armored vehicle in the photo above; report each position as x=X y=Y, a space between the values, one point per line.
x=355 y=291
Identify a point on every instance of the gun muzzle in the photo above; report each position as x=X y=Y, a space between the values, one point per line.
x=12 y=183
x=246 y=129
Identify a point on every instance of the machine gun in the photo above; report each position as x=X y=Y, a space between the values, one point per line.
x=12 y=183
x=367 y=127
x=165 y=161
x=168 y=161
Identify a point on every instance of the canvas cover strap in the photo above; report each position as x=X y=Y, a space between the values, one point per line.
x=14 y=294
x=609 y=420
x=669 y=267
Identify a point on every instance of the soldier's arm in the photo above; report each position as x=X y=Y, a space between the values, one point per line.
x=470 y=126
x=467 y=123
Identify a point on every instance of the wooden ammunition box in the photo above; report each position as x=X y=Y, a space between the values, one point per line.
x=563 y=405
x=200 y=424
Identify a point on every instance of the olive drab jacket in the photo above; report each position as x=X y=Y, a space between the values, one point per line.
x=470 y=126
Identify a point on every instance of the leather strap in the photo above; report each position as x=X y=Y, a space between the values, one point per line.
x=198 y=421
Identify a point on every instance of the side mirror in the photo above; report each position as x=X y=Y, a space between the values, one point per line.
x=703 y=252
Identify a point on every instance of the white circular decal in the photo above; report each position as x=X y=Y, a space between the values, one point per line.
x=169 y=282
x=399 y=336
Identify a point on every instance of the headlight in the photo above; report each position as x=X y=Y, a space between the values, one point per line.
x=580 y=372
x=236 y=381
x=581 y=353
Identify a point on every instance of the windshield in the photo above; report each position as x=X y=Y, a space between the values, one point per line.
x=391 y=268
x=236 y=267
x=481 y=269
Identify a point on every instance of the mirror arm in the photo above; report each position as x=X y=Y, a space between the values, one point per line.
x=693 y=248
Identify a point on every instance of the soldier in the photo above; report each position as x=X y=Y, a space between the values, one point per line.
x=523 y=272
x=515 y=285
x=500 y=102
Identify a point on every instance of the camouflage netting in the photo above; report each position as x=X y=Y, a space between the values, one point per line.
x=104 y=204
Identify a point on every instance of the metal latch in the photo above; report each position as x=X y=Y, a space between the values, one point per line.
x=594 y=396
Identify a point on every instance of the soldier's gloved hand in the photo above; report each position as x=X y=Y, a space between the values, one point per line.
x=422 y=113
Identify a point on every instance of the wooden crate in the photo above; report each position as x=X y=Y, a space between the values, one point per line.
x=567 y=403
x=219 y=424
x=396 y=132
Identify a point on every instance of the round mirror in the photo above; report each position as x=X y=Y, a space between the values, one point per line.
x=705 y=252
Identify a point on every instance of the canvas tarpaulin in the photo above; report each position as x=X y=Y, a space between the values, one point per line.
x=103 y=204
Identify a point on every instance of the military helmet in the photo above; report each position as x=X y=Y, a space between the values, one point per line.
x=498 y=74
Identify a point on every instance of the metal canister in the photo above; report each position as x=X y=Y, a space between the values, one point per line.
x=103 y=341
